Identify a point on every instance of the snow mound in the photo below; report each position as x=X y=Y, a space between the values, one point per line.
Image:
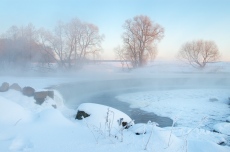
x=101 y=116
x=21 y=144
x=198 y=134
x=11 y=112
x=204 y=146
x=222 y=128
x=52 y=117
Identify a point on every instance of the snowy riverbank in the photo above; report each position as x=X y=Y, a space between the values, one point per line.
x=26 y=126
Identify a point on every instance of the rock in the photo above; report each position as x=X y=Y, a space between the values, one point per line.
x=16 y=87
x=28 y=91
x=213 y=100
x=4 y=87
x=50 y=94
x=125 y=124
x=41 y=96
x=81 y=114
x=54 y=106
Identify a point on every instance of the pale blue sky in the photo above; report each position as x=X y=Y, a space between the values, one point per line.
x=183 y=20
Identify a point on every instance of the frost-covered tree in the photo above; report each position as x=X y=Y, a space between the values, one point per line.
x=140 y=38
x=199 y=53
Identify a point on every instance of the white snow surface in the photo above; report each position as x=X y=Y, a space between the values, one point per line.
x=223 y=127
x=190 y=107
x=104 y=117
x=25 y=126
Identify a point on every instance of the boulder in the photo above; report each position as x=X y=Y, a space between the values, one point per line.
x=81 y=114
x=50 y=94
x=28 y=91
x=16 y=87
x=41 y=96
x=4 y=87
x=54 y=106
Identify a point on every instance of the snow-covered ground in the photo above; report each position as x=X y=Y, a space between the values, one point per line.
x=188 y=106
x=26 y=126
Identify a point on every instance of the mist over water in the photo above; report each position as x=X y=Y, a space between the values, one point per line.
x=104 y=90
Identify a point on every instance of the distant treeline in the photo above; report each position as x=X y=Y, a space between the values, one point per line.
x=69 y=45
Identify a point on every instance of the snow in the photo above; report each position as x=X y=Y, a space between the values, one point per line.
x=187 y=105
x=103 y=116
x=16 y=112
x=228 y=119
x=26 y=126
x=223 y=127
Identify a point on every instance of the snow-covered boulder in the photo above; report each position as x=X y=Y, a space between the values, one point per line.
x=28 y=91
x=223 y=127
x=16 y=87
x=102 y=116
x=4 y=87
x=41 y=96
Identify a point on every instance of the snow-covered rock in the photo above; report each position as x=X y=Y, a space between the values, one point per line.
x=102 y=116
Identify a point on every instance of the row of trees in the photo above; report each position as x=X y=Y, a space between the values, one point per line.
x=140 y=40
x=68 y=44
x=71 y=44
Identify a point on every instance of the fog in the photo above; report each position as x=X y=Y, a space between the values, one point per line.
x=123 y=83
x=102 y=82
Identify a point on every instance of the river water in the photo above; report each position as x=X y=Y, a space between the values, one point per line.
x=105 y=91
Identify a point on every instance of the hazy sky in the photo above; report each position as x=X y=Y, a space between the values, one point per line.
x=183 y=20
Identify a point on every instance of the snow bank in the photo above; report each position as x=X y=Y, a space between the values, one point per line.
x=198 y=134
x=11 y=113
x=222 y=128
x=205 y=146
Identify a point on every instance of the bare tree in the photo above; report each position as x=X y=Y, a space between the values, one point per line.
x=83 y=40
x=54 y=44
x=72 y=42
x=140 y=39
x=199 y=53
